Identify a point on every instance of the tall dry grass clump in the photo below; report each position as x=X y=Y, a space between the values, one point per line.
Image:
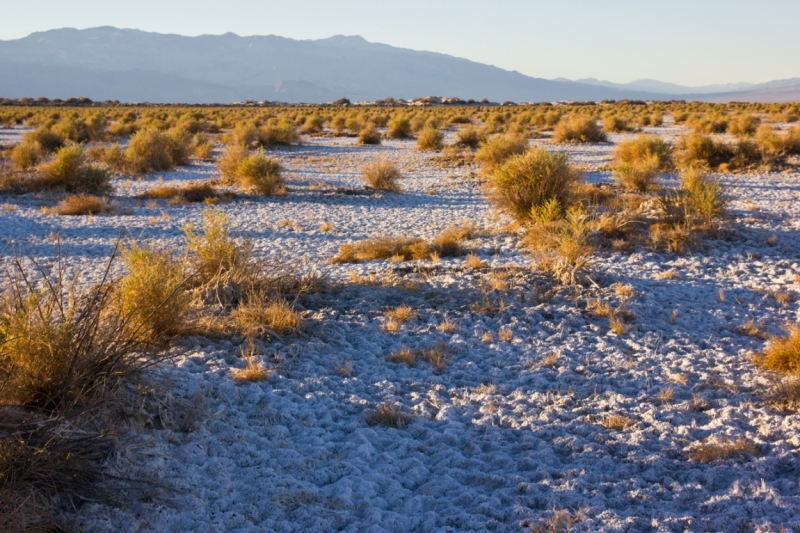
x=638 y=162
x=430 y=139
x=153 y=291
x=525 y=182
x=782 y=354
x=215 y=257
x=705 y=197
x=578 y=129
x=499 y=148
x=562 y=246
x=382 y=175
x=26 y=155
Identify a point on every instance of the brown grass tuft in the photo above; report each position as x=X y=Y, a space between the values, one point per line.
x=260 y=315
x=82 y=204
x=252 y=373
x=740 y=449
x=782 y=354
x=190 y=193
x=388 y=415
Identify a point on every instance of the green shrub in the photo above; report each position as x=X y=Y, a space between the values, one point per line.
x=705 y=197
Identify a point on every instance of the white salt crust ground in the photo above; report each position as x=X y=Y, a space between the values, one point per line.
x=498 y=439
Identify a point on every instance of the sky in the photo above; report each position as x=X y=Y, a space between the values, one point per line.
x=690 y=42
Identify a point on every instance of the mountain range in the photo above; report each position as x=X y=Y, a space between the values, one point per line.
x=132 y=65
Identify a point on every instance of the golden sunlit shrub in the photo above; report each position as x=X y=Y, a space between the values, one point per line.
x=430 y=139
x=578 y=129
x=260 y=315
x=69 y=172
x=705 y=197
x=26 y=155
x=638 y=162
x=251 y=170
x=153 y=292
x=398 y=128
x=148 y=151
x=468 y=136
x=497 y=149
x=48 y=140
x=81 y=204
x=782 y=354
x=282 y=133
x=527 y=181
x=382 y=175
x=369 y=135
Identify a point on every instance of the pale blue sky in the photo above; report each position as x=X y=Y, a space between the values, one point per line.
x=692 y=42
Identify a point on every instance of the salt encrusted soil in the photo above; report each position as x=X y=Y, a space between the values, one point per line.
x=499 y=437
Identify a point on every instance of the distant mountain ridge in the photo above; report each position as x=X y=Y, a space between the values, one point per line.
x=657 y=86
x=131 y=65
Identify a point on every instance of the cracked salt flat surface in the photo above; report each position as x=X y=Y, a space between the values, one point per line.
x=499 y=437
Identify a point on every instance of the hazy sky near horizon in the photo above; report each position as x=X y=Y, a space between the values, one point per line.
x=691 y=42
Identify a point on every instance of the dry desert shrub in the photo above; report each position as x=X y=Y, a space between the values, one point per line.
x=251 y=170
x=48 y=140
x=469 y=137
x=475 y=262
x=639 y=161
x=149 y=151
x=69 y=172
x=382 y=175
x=313 y=124
x=82 y=204
x=430 y=139
x=190 y=193
x=26 y=155
x=578 y=129
x=369 y=135
x=496 y=150
x=618 y=124
x=59 y=346
x=280 y=133
x=112 y=156
x=705 y=197
x=398 y=128
x=526 y=182
x=782 y=354
x=388 y=415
